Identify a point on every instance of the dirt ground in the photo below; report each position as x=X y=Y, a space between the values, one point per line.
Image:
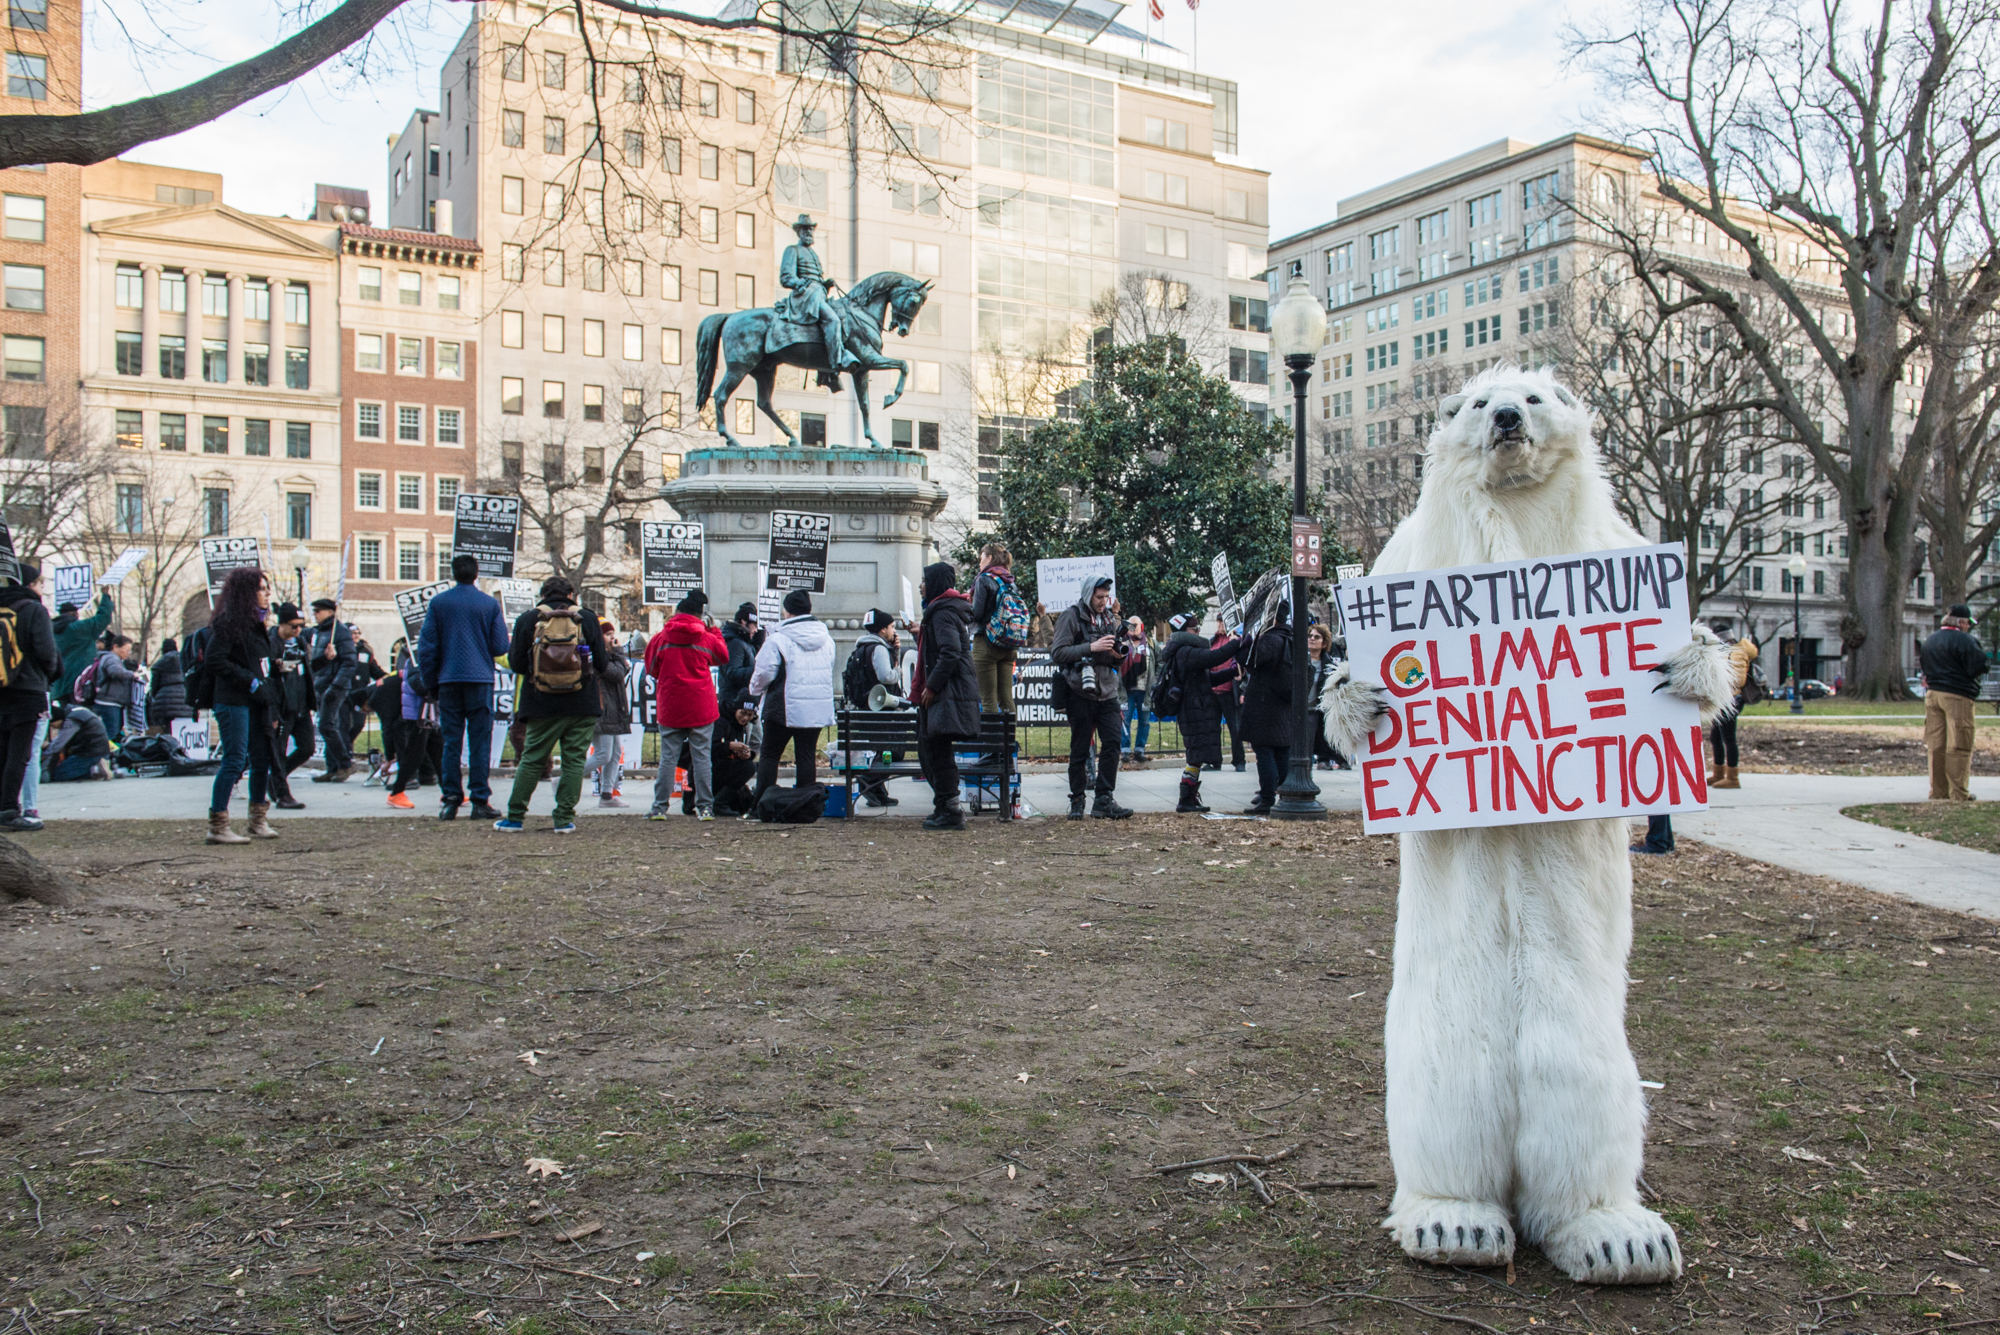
x=1827 y=748
x=718 y=1078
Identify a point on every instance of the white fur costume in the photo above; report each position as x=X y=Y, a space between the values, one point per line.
x=1513 y=1100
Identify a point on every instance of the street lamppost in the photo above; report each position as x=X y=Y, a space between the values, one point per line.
x=1797 y=567
x=301 y=558
x=1298 y=331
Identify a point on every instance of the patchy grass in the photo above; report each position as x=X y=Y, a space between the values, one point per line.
x=1776 y=748
x=823 y=1084
x=1969 y=824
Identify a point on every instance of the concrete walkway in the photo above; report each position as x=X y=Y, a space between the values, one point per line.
x=1790 y=820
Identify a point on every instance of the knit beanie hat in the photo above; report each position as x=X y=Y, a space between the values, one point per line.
x=797 y=603
x=693 y=604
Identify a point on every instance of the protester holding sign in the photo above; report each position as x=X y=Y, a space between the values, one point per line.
x=1182 y=691
x=76 y=640
x=463 y=634
x=1088 y=650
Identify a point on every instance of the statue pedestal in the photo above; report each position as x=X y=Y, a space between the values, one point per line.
x=882 y=503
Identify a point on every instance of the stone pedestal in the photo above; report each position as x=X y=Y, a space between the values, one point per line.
x=882 y=503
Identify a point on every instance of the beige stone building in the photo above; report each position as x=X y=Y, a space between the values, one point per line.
x=209 y=346
x=1025 y=168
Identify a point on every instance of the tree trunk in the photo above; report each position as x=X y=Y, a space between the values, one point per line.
x=24 y=876
x=1878 y=580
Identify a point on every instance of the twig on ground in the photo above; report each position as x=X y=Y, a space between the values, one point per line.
x=30 y=1188
x=1121 y=903
x=1340 y=1184
x=1890 y=1053
x=1260 y=1160
x=1263 y=1192
x=730 y=1221
x=426 y=973
x=193 y=1089
x=1432 y=1313
x=578 y=949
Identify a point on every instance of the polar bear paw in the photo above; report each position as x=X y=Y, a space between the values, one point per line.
x=1699 y=672
x=1453 y=1232
x=1352 y=709
x=1617 y=1245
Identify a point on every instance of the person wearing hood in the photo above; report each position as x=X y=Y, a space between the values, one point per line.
x=744 y=640
x=1267 y=710
x=1186 y=660
x=872 y=663
x=793 y=676
x=947 y=687
x=1086 y=649
x=24 y=701
x=678 y=659
x=607 y=748
x=166 y=697
x=76 y=640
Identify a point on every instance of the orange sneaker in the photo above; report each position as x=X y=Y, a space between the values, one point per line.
x=401 y=801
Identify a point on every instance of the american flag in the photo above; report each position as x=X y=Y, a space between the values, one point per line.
x=1157 y=12
x=1194 y=4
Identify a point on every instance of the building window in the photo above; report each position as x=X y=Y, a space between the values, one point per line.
x=410 y=288
x=409 y=561
x=215 y=435
x=1249 y=366
x=368 y=558
x=511 y=392
x=25 y=429
x=554 y=70
x=552 y=398
x=131 y=508
x=670 y=409
x=368 y=280
x=447 y=495
x=514 y=63
x=513 y=129
x=512 y=195
x=129 y=428
x=746 y=232
x=593 y=273
x=298 y=368
x=593 y=403
x=593 y=464
x=450 y=361
x=447 y=290
x=298 y=516
x=368 y=421
x=447 y=426
x=709 y=98
x=367 y=491
x=1169 y=241
x=554 y=132
x=368 y=352
x=215 y=361
x=25 y=358
x=27 y=218
x=129 y=350
x=257 y=436
x=173 y=357
x=554 y=200
x=410 y=491
x=409 y=356
x=710 y=288
x=174 y=432
x=553 y=268
x=131 y=287
x=633 y=403
x=28 y=15
x=409 y=425
x=24 y=287
x=1163 y=133
x=510 y=460
x=27 y=76
x=1249 y=313
x=552 y=333
x=670 y=347
x=214 y=295
x=298 y=303
x=215 y=512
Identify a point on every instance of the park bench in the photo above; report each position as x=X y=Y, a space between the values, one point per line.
x=992 y=773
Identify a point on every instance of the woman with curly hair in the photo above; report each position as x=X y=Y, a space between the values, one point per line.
x=238 y=664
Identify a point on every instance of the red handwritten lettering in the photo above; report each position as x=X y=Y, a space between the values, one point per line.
x=1517 y=708
x=1520 y=652
x=1549 y=728
x=1679 y=767
x=1410 y=714
x=1534 y=785
x=1600 y=745
x=1469 y=720
x=1439 y=681
x=1633 y=647
x=1639 y=744
x=1369 y=784
x=1603 y=634
x=1549 y=778
x=1560 y=648
x=1471 y=779
x=1422 y=792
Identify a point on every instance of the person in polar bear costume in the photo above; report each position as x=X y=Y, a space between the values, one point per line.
x=1513 y=1100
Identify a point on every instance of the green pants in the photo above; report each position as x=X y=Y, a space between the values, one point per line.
x=995 y=669
x=544 y=735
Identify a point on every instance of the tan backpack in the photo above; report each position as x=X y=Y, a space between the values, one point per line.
x=561 y=658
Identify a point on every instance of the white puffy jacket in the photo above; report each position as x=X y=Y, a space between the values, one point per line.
x=802 y=645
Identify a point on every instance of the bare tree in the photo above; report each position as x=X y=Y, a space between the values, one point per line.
x=1690 y=457
x=1153 y=304
x=140 y=504
x=50 y=466
x=1370 y=490
x=1848 y=166
x=1961 y=498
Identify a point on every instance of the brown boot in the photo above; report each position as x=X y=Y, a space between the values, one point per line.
x=219 y=831
x=1728 y=779
x=260 y=821
x=1714 y=773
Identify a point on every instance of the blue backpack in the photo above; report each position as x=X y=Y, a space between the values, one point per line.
x=1007 y=628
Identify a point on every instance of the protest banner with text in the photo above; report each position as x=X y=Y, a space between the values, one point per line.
x=489 y=528
x=413 y=605
x=1523 y=691
x=670 y=554
x=799 y=542
x=219 y=556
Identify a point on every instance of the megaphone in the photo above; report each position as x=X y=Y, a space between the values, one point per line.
x=880 y=697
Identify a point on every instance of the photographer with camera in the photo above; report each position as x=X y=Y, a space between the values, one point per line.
x=1090 y=647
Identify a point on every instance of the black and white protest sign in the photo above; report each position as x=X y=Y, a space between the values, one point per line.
x=222 y=555
x=671 y=555
x=128 y=561
x=1035 y=689
x=1225 y=591
x=10 y=565
x=798 y=550
x=414 y=604
x=487 y=527
x=1524 y=691
x=70 y=586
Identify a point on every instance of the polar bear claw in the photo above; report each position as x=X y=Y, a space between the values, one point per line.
x=1450 y=1232
x=1617 y=1245
x=1352 y=710
x=1699 y=672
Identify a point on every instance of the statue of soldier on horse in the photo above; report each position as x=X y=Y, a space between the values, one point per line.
x=809 y=328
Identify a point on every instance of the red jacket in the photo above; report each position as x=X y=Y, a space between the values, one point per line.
x=678 y=660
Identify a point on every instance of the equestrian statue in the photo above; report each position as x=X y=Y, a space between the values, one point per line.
x=809 y=328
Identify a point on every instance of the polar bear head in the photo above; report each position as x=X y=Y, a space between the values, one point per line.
x=1509 y=430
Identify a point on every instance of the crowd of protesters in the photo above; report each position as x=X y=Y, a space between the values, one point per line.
x=730 y=701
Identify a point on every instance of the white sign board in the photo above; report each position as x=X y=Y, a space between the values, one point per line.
x=219 y=556
x=489 y=528
x=770 y=601
x=70 y=586
x=799 y=543
x=909 y=602
x=671 y=560
x=192 y=734
x=128 y=561
x=1225 y=591
x=1342 y=574
x=1522 y=692
x=1059 y=582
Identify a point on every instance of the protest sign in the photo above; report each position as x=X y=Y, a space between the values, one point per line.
x=798 y=550
x=770 y=601
x=192 y=734
x=1523 y=691
x=671 y=557
x=1035 y=689
x=488 y=527
x=10 y=565
x=1344 y=573
x=70 y=586
x=340 y=580
x=1059 y=582
x=128 y=561
x=1225 y=591
x=909 y=602
x=219 y=556
x=413 y=604
x=516 y=596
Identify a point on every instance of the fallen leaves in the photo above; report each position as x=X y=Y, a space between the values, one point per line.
x=530 y=1055
x=548 y=1168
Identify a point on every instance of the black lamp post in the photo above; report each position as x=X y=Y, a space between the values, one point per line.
x=1797 y=567
x=1298 y=331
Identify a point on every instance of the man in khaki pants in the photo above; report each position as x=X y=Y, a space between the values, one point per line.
x=1952 y=663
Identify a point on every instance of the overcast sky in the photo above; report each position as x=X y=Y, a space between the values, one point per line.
x=1334 y=101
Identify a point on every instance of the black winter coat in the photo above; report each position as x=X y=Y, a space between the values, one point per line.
x=948 y=671
x=585 y=703
x=733 y=677
x=26 y=696
x=238 y=664
x=291 y=684
x=1188 y=658
x=1267 y=692
x=166 y=699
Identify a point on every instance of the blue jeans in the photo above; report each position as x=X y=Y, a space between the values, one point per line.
x=1273 y=762
x=245 y=745
x=114 y=720
x=31 y=778
x=1135 y=711
x=465 y=716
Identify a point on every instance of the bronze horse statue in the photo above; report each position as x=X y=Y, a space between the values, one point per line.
x=755 y=343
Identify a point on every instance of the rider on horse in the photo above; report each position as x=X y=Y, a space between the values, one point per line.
x=800 y=271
